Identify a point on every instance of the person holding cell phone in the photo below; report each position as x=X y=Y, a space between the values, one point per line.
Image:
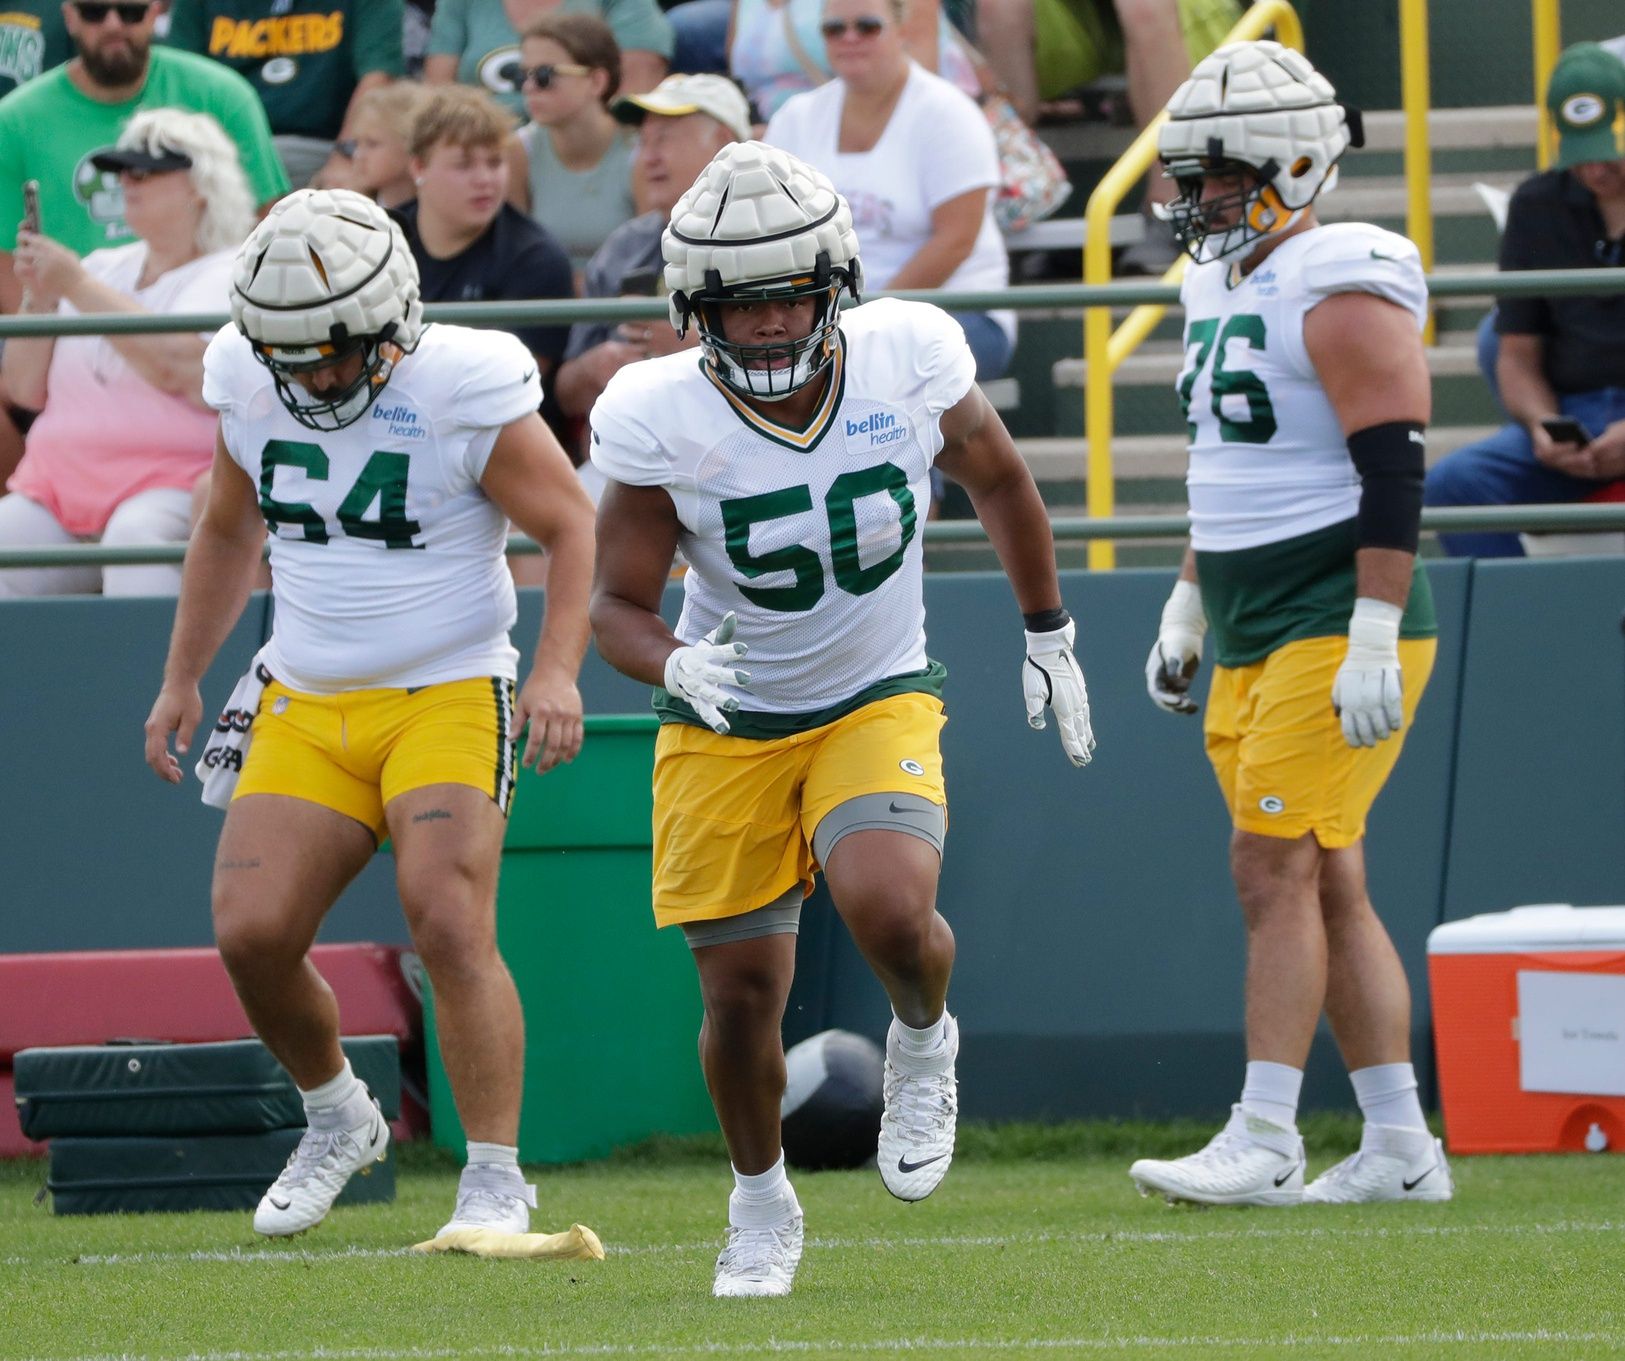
x=1561 y=366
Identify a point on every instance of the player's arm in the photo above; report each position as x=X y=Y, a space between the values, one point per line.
x=531 y=480
x=222 y=561
x=637 y=541
x=978 y=453
x=1367 y=353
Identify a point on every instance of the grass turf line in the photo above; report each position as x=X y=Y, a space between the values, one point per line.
x=1035 y=1245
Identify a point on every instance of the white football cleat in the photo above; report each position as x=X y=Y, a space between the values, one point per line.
x=1251 y=1161
x=759 y=1262
x=1393 y=1163
x=490 y=1196
x=324 y=1161
x=917 y=1126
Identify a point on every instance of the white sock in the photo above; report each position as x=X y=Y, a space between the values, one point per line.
x=493 y=1155
x=338 y=1103
x=1387 y=1095
x=920 y=1051
x=761 y=1200
x=1271 y=1092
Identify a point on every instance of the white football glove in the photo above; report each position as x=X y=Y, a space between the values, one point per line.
x=1176 y=654
x=698 y=672
x=1367 y=692
x=1050 y=678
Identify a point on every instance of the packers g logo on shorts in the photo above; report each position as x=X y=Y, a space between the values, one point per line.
x=912 y=767
x=1272 y=804
x=1582 y=110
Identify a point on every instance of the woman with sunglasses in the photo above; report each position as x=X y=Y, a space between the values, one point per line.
x=123 y=434
x=915 y=158
x=571 y=166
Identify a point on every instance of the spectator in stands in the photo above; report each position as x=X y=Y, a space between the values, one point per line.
x=470 y=243
x=48 y=127
x=308 y=60
x=477 y=42
x=123 y=433
x=1043 y=49
x=572 y=164
x=774 y=48
x=1562 y=355
x=33 y=39
x=915 y=158
x=682 y=123
x=380 y=150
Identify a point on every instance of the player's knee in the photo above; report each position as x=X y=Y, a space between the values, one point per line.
x=450 y=946
x=252 y=943
x=743 y=998
x=895 y=930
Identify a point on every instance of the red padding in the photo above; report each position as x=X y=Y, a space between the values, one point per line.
x=1609 y=491
x=92 y=996
x=12 y=1142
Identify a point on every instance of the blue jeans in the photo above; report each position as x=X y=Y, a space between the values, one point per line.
x=701 y=31
x=989 y=345
x=1502 y=471
x=1489 y=351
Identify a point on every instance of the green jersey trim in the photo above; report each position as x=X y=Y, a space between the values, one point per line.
x=766 y=727
x=1259 y=599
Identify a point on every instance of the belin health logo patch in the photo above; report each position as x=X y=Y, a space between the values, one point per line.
x=402 y=420
x=881 y=427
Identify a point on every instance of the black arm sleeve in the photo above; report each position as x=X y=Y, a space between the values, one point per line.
x=1389 y=459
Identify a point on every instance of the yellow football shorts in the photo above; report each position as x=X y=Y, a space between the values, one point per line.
x=1279 y=751
x=354 y=752
x=734 y=817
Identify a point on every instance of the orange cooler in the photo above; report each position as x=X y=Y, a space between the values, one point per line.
x=1529 y=1024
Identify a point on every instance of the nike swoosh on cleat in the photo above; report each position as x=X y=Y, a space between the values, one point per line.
x=1287 y=1175
x=283 y=1204
x=1412 y=1185
x=904 y=1165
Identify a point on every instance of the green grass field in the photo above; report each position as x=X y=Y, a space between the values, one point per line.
x=1035 y=1245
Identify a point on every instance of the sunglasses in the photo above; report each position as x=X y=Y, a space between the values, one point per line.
x=130 y=12
x=139 y=175
x=543 y=76
x=866 y=26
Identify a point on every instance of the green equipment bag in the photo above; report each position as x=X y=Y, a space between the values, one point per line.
x=234 y=1087
x=206 y=1172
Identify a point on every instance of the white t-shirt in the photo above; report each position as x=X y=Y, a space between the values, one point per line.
x=936 y=146
x=386 y=556
x=1268 y=460
x=812 y=537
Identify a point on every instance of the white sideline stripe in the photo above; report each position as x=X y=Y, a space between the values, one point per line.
x=898 y=1344
x=252 y=1256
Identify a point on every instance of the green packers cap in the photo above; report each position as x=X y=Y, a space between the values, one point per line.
x=1585 y=95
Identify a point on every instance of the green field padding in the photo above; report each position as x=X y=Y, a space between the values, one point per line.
x=201 y=1172
x=232 y=1087
x=612 y=1006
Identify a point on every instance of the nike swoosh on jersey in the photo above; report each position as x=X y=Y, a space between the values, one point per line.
x=904 y=1165
x=1378 y=255
x=532 y=373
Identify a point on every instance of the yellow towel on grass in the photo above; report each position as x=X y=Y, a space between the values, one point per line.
x=577 y=1243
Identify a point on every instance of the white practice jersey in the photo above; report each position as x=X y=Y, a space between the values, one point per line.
x=813 y=538
x=1268 y=459
x=386 y=556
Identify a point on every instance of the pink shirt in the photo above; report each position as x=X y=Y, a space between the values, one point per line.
x=106 y=433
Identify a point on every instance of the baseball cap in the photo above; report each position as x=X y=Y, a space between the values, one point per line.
x=691 y=93
x=116 y=158
x=1584 y=96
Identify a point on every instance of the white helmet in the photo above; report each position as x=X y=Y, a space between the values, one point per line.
x=326 y=275
x=1262 y=106
x=760 y=224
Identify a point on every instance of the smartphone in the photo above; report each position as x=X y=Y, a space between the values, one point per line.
x=1566 y=430
x=643 y=283
x=30 y=221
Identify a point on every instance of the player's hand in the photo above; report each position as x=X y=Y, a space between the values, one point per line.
x=175 y=713
x=551 y=704
x=1368 y=690
x=1051 y=678
x=1177 y=653
x=698 y=672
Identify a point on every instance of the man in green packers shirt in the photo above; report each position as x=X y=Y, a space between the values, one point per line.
x=33 y=39
x=310 y=60
x=50 y=127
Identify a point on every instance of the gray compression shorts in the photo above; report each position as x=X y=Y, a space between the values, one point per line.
x=781 y=917
x=885 y=813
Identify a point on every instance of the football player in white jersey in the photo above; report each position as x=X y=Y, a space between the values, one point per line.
x=1307 y=394
x=387 y=458
x=791 y=467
